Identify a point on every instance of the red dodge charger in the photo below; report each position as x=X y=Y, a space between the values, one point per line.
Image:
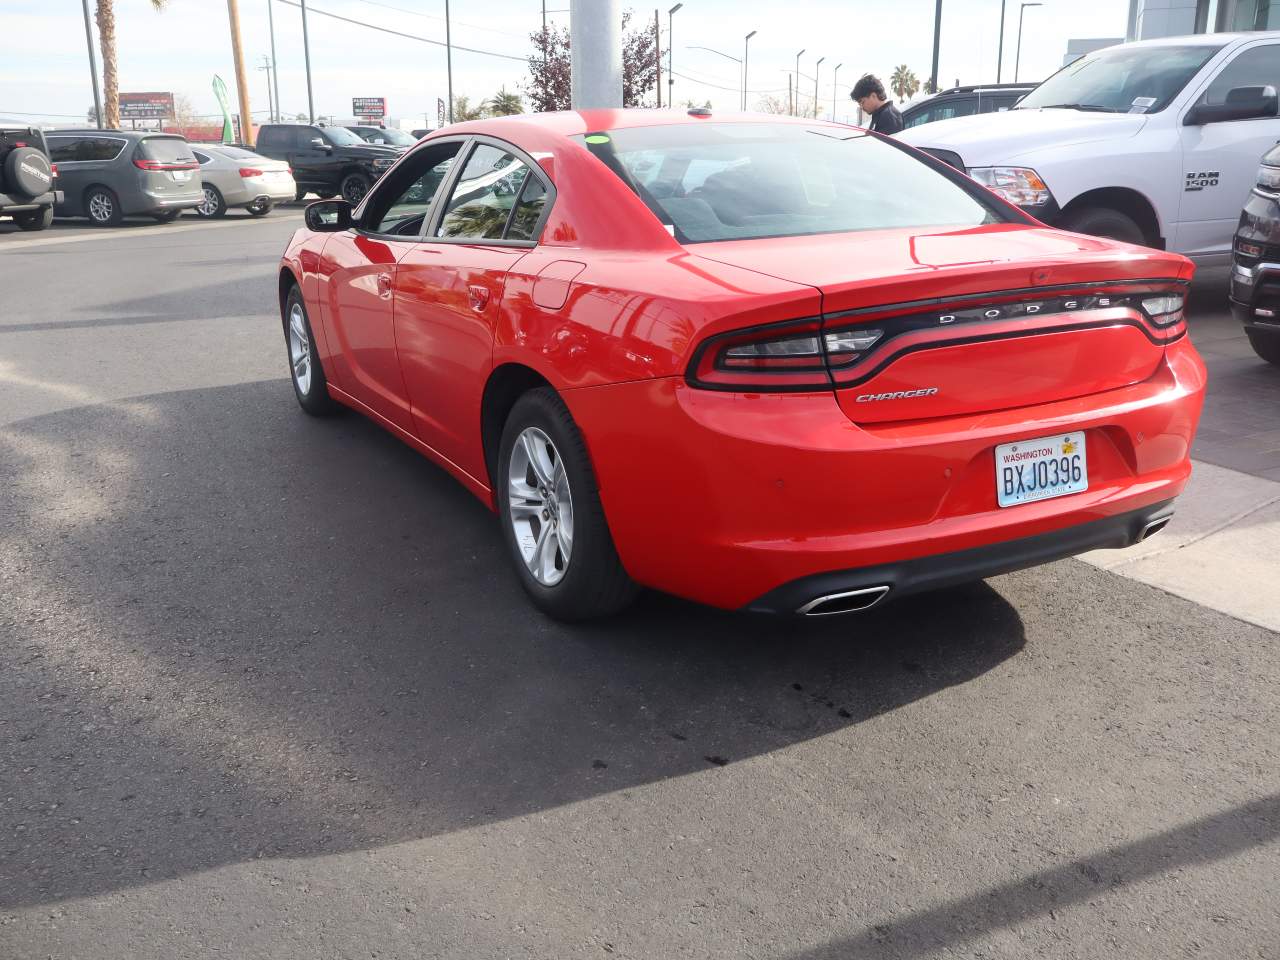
x=758 y=362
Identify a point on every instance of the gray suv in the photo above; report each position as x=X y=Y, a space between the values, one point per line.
x=107 y=175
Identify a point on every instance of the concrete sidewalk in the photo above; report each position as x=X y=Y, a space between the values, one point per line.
x=1221 y=550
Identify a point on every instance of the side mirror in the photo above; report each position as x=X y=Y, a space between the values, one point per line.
x=319 y=144
x=1241 y=103
x=328 y=216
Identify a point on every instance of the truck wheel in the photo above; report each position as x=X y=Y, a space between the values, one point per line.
x=354 y=187
x=1104 y=222
x=103 y=207
x=38 y=220
x=299 y=193
x=1267 y=347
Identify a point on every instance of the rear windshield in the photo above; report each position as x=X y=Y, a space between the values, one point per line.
x=237 y=153
x=737 y=181
x=1122 y=79
x=167 y=150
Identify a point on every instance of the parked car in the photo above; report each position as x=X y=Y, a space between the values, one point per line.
x=965 y=102
x=236 y=177
x=1155 y=142
x=28 y=180
x=385 y=136
x=746 y=377
x=326 y=160
x=1255 y=281
x=107 y=175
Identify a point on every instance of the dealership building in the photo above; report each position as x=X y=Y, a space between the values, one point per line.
x=1173 y=18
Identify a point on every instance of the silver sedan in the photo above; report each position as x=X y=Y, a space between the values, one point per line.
x=236 y=177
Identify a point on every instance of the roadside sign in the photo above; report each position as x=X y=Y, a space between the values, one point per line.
x=146 y=106
x=369 y=108
x=440 y=110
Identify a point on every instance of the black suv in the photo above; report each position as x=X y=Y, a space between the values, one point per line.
x=1255 y=278
x=965 y=102
x=27 y=178
x=326 y=160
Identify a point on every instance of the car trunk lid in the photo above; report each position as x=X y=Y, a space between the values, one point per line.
x=976 y=319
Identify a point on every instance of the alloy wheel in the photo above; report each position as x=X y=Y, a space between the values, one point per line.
x=299 y=349
x=541 y=506
x=209 y=205
x=100 y=207
x=353 y=190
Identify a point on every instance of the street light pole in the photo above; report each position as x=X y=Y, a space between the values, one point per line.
x=746 y=46
x=275 y=74
x=448 y=56
x=93 y=68
x=816 y=67
x=835 y=89
x=671 y=53
x=937 y=36
x=306 y=57
x=1017 y=60
x=795 y=110
x=1000 y=45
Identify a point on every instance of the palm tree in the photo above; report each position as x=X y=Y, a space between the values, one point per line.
x=106 y=17
x=463 y=110
x=505 y=104
x=903 y=82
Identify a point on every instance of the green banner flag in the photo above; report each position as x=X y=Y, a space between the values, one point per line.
x=220 y=91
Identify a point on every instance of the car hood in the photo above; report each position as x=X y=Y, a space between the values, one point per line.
x=372 y=150
x=995 y=138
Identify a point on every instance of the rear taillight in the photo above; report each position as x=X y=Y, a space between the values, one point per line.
x=53 y=168
x=250 y=172
x=1164 y=310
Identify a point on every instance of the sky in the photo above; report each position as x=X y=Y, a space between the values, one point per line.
x=45 y=78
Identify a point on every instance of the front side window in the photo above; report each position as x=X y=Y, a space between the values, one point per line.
x=400 y=205
x=737 y=181
x=1122 y=79
x=1256 y=67
x=484 y=195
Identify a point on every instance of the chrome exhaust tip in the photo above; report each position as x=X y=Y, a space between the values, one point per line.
x=848 y=601
x=1154 y=526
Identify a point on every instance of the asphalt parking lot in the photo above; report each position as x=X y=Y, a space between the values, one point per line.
x=269 y=689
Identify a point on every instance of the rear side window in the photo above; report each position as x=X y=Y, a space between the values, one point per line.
x=166 y=150
x=737 y=181
x=484 y=195
x=201 y=158
x=63 y=149
x=528 y=212
x=275 y=138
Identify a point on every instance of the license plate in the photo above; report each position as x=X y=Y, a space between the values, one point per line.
x=182 y=176
x=1041 y=469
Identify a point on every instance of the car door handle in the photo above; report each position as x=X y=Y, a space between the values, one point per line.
x=478 y=294
x=384 y=284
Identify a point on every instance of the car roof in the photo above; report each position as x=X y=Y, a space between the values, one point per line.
x=571 y=123
x=132 y=134
x=1200 y=40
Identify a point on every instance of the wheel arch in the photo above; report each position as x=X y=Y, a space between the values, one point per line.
x=284 y=283
x=506 y=384
x=1133 y=203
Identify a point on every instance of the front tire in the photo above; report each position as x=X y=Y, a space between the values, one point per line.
x=39 y=220
x=102 y=206
x=213 y=205
x=1105 y=222
x=552 y=519
x=353 y=187
x=1266 y=347
x=310 y=385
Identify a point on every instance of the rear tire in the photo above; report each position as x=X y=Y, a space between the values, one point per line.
x=166 y=216
x=1266 y=347
x=102 y=207
x=573 y=577
x=325 y=194
x=310 y=385
x=1104 y=222
x=213 y=205
x=299 y=193
x=39 y=220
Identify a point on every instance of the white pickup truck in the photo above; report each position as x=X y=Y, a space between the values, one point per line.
x=1155 y=142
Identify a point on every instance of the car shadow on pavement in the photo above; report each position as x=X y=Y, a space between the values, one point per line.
x=232 y=631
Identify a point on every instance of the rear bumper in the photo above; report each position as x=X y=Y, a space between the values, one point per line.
x=964 y=566
x=12 y=204
x=277 y=193
x=725 y=498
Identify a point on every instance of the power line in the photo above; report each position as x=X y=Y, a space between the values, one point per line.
x=408 y=36
x=718 y=86
x=431 y=16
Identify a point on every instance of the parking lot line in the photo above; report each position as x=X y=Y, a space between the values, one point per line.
x=159 y=229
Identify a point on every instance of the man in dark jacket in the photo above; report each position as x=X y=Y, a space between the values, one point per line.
x=868 y=93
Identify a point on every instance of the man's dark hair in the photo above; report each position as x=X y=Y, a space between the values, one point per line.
x=868 y=85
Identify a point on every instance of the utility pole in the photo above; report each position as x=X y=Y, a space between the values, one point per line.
x=306 y=55
x=937 y=32
x=796 y=111
x=596 y=40
x=242 y=83
x=271 y=103
x=448 y=56
x=835 y=89
x=789 y=99
x=746 y=44
x=93 y=68
x=1017 y=59
x=275 y=72
x=671 y=48
x=657 y=52
x=1000 y=45
x=816 y=67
